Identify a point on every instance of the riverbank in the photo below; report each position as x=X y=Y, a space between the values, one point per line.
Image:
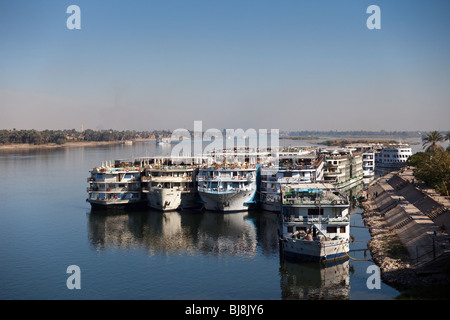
x=26 y=146
x=410 y=244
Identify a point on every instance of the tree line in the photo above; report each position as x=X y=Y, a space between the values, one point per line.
x=352 y=133
x=62 y=136
x=433 y=165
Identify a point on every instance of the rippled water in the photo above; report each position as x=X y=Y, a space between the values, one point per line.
x=46 y=226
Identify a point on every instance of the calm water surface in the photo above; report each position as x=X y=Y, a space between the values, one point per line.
x=46 y=226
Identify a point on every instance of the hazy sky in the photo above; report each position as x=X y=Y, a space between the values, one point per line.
x=285 y=64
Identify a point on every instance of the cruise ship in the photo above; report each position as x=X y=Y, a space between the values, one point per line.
x=343 y=166
x=315 y=222
x=115 y=185
x=368 y=158
x=229 y=183
x=393 y=156
x=294 y=165
x=169 y=183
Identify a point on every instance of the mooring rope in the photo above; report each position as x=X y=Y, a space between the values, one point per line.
x=354 y=259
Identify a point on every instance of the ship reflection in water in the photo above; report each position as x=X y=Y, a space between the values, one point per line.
x=243 y=234
x=175 y=232
x=329 y=281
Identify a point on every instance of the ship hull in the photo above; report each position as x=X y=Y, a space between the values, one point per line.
x=314 y=250
x=172 y=199
x=99 y=205
x=227 y=201
x=271 y=206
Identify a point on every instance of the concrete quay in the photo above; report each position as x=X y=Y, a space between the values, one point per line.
x=413 y=246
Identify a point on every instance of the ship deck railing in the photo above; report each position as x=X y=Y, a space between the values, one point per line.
x=147 y=189
x=113 y=190
x=284 y=180
x=289 y=168
x=114 y=180
x=166 y=179
x=312 y=219
x=229 y=167
x=226 y=178
x=116 y=170
x=222 y=190
x=312 y=201
x=175 y=168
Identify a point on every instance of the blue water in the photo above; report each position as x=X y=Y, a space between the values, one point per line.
x=46 y=226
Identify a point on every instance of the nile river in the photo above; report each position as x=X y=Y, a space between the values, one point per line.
x=46 y=226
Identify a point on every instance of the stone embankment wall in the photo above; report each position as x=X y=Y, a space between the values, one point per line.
x=408 y=219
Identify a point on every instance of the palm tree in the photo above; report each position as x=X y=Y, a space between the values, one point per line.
x=431 y=140
x=447 y=137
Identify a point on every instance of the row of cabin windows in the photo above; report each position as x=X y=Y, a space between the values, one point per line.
x=329 y=229
x=396 y=156
x=311 y=211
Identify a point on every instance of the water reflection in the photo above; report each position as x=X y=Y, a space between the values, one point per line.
x=249 y=235
x=175 y=232
x=314 y=280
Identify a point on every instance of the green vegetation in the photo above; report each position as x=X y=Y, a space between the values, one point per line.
x=298 y=138
x=344 y=142
x=431 y=142
x=433 y=165
x=354 y=134
x=62 y=136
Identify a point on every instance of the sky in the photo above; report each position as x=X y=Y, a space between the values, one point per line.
x=262 y=64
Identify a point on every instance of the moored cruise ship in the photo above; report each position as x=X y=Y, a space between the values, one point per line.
x=115 y=185
x=169 y=183
x=343 y=166
x=368 y=157
x=393 y=156
x=227 y=188
x=368 y=163
x=315 y=223
x=229 y=185
x=294 y=165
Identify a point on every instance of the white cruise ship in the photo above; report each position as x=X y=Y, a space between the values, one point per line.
x=393 y=156
x=169 y=183
x=368 y=158
x=292 y=166
x=315 y=223
x=227 y=188
x=343 y=166
x=228 y=182
x=115 y=185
